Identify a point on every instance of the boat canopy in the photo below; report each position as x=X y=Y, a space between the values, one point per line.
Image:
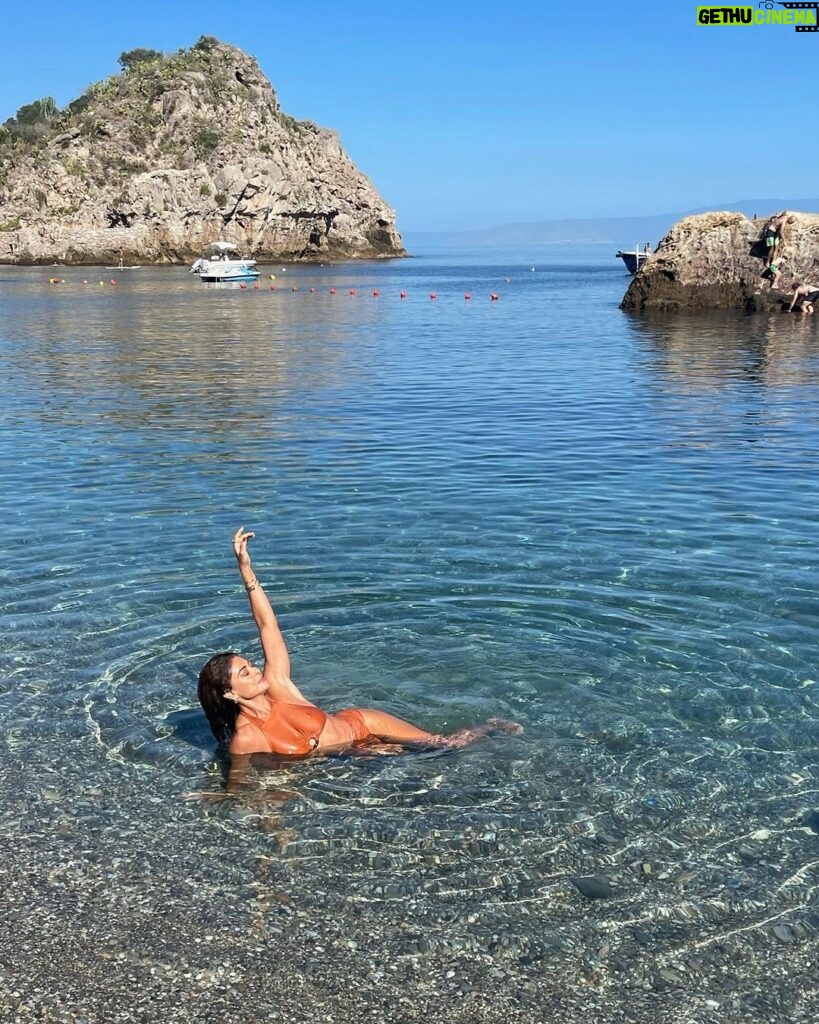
x=221 y=247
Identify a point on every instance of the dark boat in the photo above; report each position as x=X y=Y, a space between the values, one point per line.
x=634 y=260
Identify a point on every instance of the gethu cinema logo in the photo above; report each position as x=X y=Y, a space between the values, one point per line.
x=803 y=16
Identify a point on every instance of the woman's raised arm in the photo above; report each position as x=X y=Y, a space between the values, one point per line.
x=276 y=657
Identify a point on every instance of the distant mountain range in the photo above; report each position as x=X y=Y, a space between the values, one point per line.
x=618 y=231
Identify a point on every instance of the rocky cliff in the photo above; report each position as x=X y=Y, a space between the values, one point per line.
x=175 y=152
x=714 y=261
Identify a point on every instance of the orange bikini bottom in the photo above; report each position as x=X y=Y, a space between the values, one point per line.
x=356 y=721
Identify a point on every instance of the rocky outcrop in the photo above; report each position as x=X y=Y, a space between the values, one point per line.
x=179 y=151
x=714 y=261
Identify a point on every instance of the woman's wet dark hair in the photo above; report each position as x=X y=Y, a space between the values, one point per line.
x=214 y=683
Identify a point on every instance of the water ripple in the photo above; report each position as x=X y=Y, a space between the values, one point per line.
x=600 y=526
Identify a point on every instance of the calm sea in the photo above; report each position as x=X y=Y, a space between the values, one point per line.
x=540 y=508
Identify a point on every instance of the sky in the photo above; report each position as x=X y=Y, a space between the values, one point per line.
x=473 y=114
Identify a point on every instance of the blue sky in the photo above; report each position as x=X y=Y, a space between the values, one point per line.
x=475 y=114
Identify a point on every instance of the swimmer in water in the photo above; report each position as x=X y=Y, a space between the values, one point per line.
x=255 y=710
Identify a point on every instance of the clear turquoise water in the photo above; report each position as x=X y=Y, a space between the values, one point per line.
x=541 y=508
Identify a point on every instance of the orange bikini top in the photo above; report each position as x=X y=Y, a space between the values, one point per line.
x=291 y=729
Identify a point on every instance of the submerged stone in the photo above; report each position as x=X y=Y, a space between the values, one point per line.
x=593 y=887
x=811 y=819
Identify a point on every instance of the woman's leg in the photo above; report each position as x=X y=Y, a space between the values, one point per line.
x=392 y=729
x=395 y=730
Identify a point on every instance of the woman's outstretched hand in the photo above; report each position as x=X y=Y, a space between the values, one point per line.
x=240 y=539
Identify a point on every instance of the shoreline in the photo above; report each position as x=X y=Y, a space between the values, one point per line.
x=264 y=260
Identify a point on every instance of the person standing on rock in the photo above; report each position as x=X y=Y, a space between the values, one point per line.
x=774 y=235
x=773 y=272
x=806 y=294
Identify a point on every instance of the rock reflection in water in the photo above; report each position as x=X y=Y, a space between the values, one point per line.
x=710 y=351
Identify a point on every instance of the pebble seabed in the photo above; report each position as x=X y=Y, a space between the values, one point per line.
x=117 y=909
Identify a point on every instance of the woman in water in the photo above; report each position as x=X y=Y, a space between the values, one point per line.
x=252 y=710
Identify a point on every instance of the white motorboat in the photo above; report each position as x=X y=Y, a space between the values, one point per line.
x=218 y=264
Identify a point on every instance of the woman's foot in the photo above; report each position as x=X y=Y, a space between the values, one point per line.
x=463 y=737
x=504 y=725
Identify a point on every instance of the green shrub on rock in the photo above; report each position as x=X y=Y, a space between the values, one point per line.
x=130 y=58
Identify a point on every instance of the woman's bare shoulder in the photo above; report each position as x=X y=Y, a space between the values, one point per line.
x=248 y=739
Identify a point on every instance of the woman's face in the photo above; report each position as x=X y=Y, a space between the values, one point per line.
x=246 y=680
